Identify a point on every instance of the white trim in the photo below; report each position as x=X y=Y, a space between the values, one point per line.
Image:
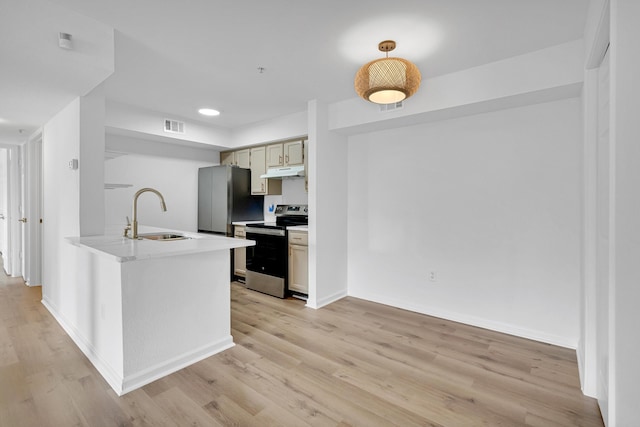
x=505 y=328
x=587 y=351
x=327 y=300
x=110 y=374
x=146 y=376
x=123 y=384
x=33 y=210
x=587 y=348
x=601 y=38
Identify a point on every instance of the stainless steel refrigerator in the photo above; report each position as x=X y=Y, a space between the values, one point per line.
x=224 y=196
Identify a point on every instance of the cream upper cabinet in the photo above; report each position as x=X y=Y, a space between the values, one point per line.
x=274 y=156
x=259 y=167
x=293 y=153
x=228 y=158
x=243 y=158
x=298 y=262
x=239 y=158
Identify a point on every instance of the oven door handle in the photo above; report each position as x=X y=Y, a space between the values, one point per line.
x=264 y=231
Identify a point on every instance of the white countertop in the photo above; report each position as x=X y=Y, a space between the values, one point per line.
x=246 y=222
x=123 y=249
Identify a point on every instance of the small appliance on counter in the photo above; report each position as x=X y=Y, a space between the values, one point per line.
x=267 y=261
x=224 y=196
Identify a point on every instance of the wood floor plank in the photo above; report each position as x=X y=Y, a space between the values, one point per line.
x=8 y=354
x=179 y=407
x=352 y=363
x=53 y=401
x=142 y=410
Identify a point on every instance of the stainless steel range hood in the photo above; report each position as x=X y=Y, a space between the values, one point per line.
x=286 y=172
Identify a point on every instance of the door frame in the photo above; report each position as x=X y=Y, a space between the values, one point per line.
x=32 y=200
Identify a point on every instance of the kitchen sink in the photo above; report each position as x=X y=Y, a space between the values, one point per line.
x=163 y=236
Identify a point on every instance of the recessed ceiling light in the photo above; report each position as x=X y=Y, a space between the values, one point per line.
x=209 y=112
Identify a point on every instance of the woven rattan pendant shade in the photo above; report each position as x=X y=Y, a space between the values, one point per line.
x=387 y=80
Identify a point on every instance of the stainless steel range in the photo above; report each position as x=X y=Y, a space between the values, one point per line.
x=267 y=261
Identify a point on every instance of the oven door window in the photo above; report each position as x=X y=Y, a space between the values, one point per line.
x=268 y=256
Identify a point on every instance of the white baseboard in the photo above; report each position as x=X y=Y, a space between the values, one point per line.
x=328 y=300
x=113 y=378
x=146 y=376
x=123 y=384
x=472 y=320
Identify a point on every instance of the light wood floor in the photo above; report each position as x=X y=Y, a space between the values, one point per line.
x=353 y=363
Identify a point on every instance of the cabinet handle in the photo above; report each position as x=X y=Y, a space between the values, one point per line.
x=280 y=159
x=286 y=158
x=262 y=186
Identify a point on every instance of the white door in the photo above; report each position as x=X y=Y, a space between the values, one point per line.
x=32 y=197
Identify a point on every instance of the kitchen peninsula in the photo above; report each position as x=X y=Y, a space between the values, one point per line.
x=149 y=307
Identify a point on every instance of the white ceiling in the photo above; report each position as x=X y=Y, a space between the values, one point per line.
x=176 y=56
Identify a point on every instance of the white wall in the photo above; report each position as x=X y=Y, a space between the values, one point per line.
x=72 y=202
x=490 y=202
x=61 y=213
x=624 y=340
x=176 y=179
x=131 y=119
x=91 y=155
x=327 y=169
x=542 y=76
x=285 y=127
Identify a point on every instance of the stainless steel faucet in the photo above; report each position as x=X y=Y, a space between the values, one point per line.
x=134 y=224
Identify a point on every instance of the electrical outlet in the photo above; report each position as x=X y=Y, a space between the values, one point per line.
x=432 y=276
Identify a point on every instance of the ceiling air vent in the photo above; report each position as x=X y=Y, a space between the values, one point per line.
x=390 y=107
x=173 y=126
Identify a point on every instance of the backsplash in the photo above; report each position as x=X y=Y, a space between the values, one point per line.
x=293 y=192
x=270 y=203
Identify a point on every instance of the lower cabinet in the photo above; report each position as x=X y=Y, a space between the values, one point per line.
x=239 y=254
x=298 y=262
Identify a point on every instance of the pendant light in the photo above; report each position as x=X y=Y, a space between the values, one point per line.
x=387 y=80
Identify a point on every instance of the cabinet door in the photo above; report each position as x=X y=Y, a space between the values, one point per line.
x=239 y=254
x=274 y=156
x=293 y=153
x=298 y=269
x=243 y=158
x=227 y=158
x=258 y=167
